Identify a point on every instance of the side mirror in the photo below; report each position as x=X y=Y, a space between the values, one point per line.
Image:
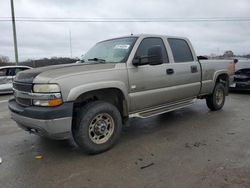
x=155 y=55
x=136 y=61
x=139 y=61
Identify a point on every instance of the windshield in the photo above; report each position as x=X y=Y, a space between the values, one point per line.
x=110 y=51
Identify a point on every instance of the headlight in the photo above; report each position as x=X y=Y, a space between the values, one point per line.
x=46 y=88
x=47 y=95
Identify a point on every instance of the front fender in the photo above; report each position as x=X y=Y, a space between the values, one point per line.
x=75 y=92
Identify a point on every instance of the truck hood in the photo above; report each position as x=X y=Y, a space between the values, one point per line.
x=57 y=71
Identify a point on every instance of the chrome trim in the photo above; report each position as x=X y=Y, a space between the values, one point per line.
x=36 y=96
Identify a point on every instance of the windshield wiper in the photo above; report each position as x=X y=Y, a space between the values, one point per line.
x=97 y=59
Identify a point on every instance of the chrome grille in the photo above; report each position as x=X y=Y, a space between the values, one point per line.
x=25 y=87
x=24 y=102
x=22 y=86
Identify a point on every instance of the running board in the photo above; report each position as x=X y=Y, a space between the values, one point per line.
x=161 y=109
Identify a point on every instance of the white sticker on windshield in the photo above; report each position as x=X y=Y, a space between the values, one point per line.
x=122 y=46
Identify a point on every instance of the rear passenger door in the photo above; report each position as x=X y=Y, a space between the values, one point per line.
x=11 y=73
x=186 y=69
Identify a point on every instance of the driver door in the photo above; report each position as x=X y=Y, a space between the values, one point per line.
x=147 y=82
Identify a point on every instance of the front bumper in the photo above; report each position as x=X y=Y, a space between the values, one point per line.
x=52 y=122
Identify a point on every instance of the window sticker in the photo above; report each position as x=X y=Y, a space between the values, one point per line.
x=122 y=46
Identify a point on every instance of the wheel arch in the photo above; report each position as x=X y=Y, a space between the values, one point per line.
x=112 y=95
x=222 y=77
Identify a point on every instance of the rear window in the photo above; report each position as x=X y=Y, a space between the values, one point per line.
x=180 y=50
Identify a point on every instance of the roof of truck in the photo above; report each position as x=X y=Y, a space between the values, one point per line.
x=146 y=35
x=153 y=35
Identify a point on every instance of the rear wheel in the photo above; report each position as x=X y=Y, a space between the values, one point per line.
x=216 y=100
x=97 y=127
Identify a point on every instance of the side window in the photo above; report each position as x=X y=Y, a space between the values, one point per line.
x=11 y=71
x=3 y=72
x=181 y=50
x=20 y=69
x=148 y=43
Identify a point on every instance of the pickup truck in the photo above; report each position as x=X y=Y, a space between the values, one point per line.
x=130 y=76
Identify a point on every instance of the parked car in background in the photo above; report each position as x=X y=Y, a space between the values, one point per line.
x=241 y=79
x=7 y=74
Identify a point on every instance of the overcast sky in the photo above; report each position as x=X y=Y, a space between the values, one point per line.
x=39 y=39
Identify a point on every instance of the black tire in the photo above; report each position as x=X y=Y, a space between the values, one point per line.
x=213 y=101
x=87 y=122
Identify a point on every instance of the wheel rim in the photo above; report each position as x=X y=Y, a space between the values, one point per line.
x=219 y=95
x=101 y=128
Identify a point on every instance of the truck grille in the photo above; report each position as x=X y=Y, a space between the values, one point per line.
x=23 y=102
x=22 y=86
x=25 y=87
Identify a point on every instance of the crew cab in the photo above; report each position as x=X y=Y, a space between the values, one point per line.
x=130 y=76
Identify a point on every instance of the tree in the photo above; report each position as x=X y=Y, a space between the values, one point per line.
x=4 y=59
x=228 y=53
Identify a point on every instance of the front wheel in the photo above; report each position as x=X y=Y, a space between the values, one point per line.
x=216 y=100
x=97 y=127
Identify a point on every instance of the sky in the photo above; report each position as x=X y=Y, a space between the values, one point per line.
x=42 y=39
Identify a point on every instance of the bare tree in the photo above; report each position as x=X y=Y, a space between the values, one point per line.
x=4 y=59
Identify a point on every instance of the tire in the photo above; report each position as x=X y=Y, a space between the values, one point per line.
x=216 y=100
x=97 y=127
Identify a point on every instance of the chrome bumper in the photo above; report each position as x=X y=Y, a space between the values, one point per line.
x=41 y=96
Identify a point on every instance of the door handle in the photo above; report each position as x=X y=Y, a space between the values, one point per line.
x=170 y=71
x=194 y=69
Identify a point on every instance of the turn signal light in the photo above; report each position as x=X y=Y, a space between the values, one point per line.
x=54 y=102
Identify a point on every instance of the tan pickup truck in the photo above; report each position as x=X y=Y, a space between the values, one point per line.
x=130 y=76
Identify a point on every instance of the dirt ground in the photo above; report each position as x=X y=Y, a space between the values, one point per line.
x=191 y=147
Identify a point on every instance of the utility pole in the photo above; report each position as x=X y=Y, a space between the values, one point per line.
x=14 y=30
x=70 y=45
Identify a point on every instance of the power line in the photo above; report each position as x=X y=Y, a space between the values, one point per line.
x=124 y=20
x=32 y=17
